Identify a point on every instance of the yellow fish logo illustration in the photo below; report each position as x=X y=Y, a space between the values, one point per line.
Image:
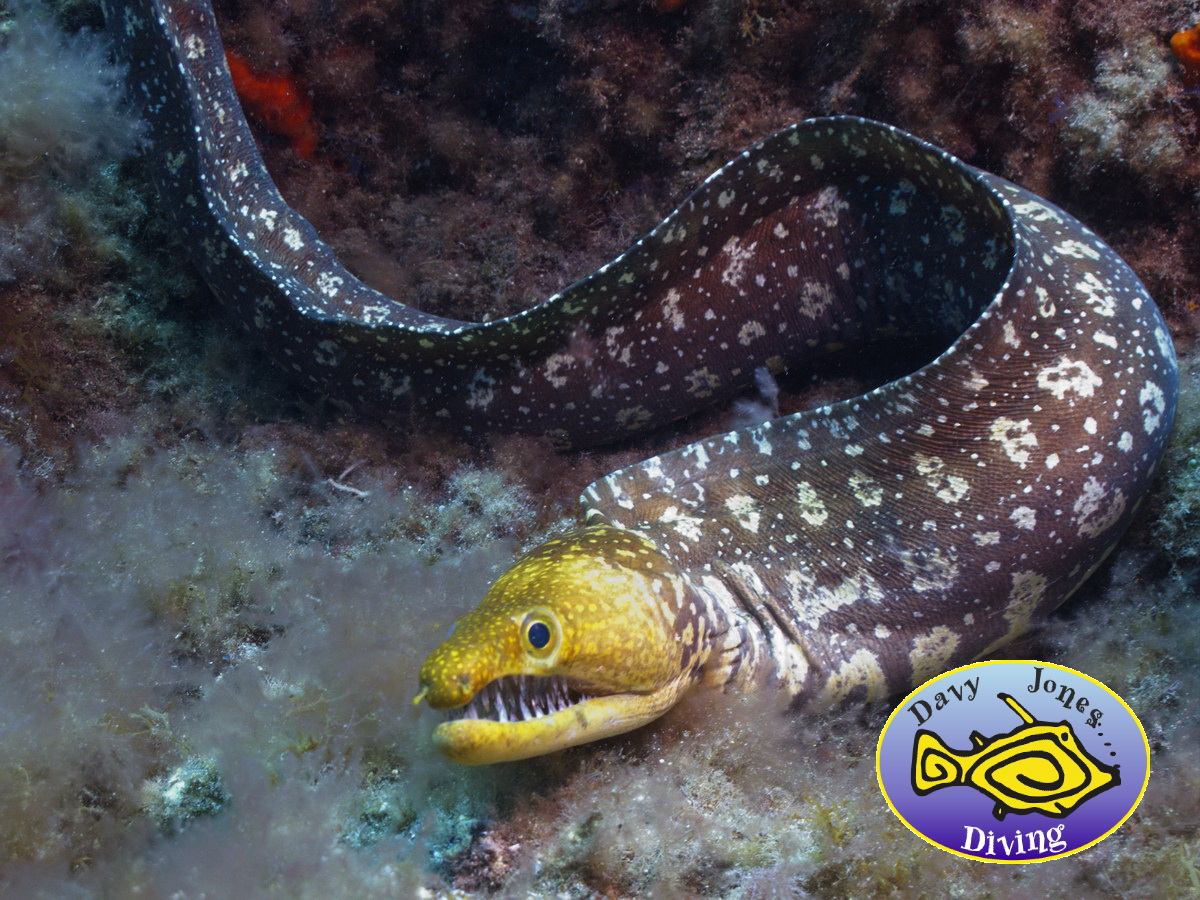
x=1036 y=767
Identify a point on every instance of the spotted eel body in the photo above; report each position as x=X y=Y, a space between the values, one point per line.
x=853 y=549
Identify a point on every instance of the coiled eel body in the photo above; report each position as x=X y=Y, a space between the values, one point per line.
x=850 y=550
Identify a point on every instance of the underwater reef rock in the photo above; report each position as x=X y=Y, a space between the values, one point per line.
x=180 y=578
x=478 y=188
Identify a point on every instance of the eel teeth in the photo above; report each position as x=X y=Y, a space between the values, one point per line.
x=518 y=698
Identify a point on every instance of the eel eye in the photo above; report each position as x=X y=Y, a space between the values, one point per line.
x=540 y=633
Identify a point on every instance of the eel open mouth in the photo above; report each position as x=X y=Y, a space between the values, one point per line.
x=519 y=716
x=519 y=698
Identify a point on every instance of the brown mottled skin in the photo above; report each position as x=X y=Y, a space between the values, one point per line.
x=848 y=551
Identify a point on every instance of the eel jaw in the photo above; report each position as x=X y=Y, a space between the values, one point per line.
x=518 y=717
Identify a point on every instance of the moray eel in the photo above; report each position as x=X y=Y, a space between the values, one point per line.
x=851 y=551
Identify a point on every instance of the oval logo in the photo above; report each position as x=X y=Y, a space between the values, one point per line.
x=1013 y=761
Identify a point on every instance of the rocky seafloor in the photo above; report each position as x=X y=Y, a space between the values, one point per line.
x=216 y=587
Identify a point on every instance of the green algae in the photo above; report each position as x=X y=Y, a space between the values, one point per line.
x=191 y=790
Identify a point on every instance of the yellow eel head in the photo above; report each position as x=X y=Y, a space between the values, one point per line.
x=590 y=635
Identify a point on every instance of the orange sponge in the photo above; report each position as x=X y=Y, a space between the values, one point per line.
x=1186 y=45
x=278 y=101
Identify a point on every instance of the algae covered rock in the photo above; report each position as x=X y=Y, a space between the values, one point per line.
x=190 y=790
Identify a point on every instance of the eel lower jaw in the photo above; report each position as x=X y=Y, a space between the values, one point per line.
x=509 y=721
